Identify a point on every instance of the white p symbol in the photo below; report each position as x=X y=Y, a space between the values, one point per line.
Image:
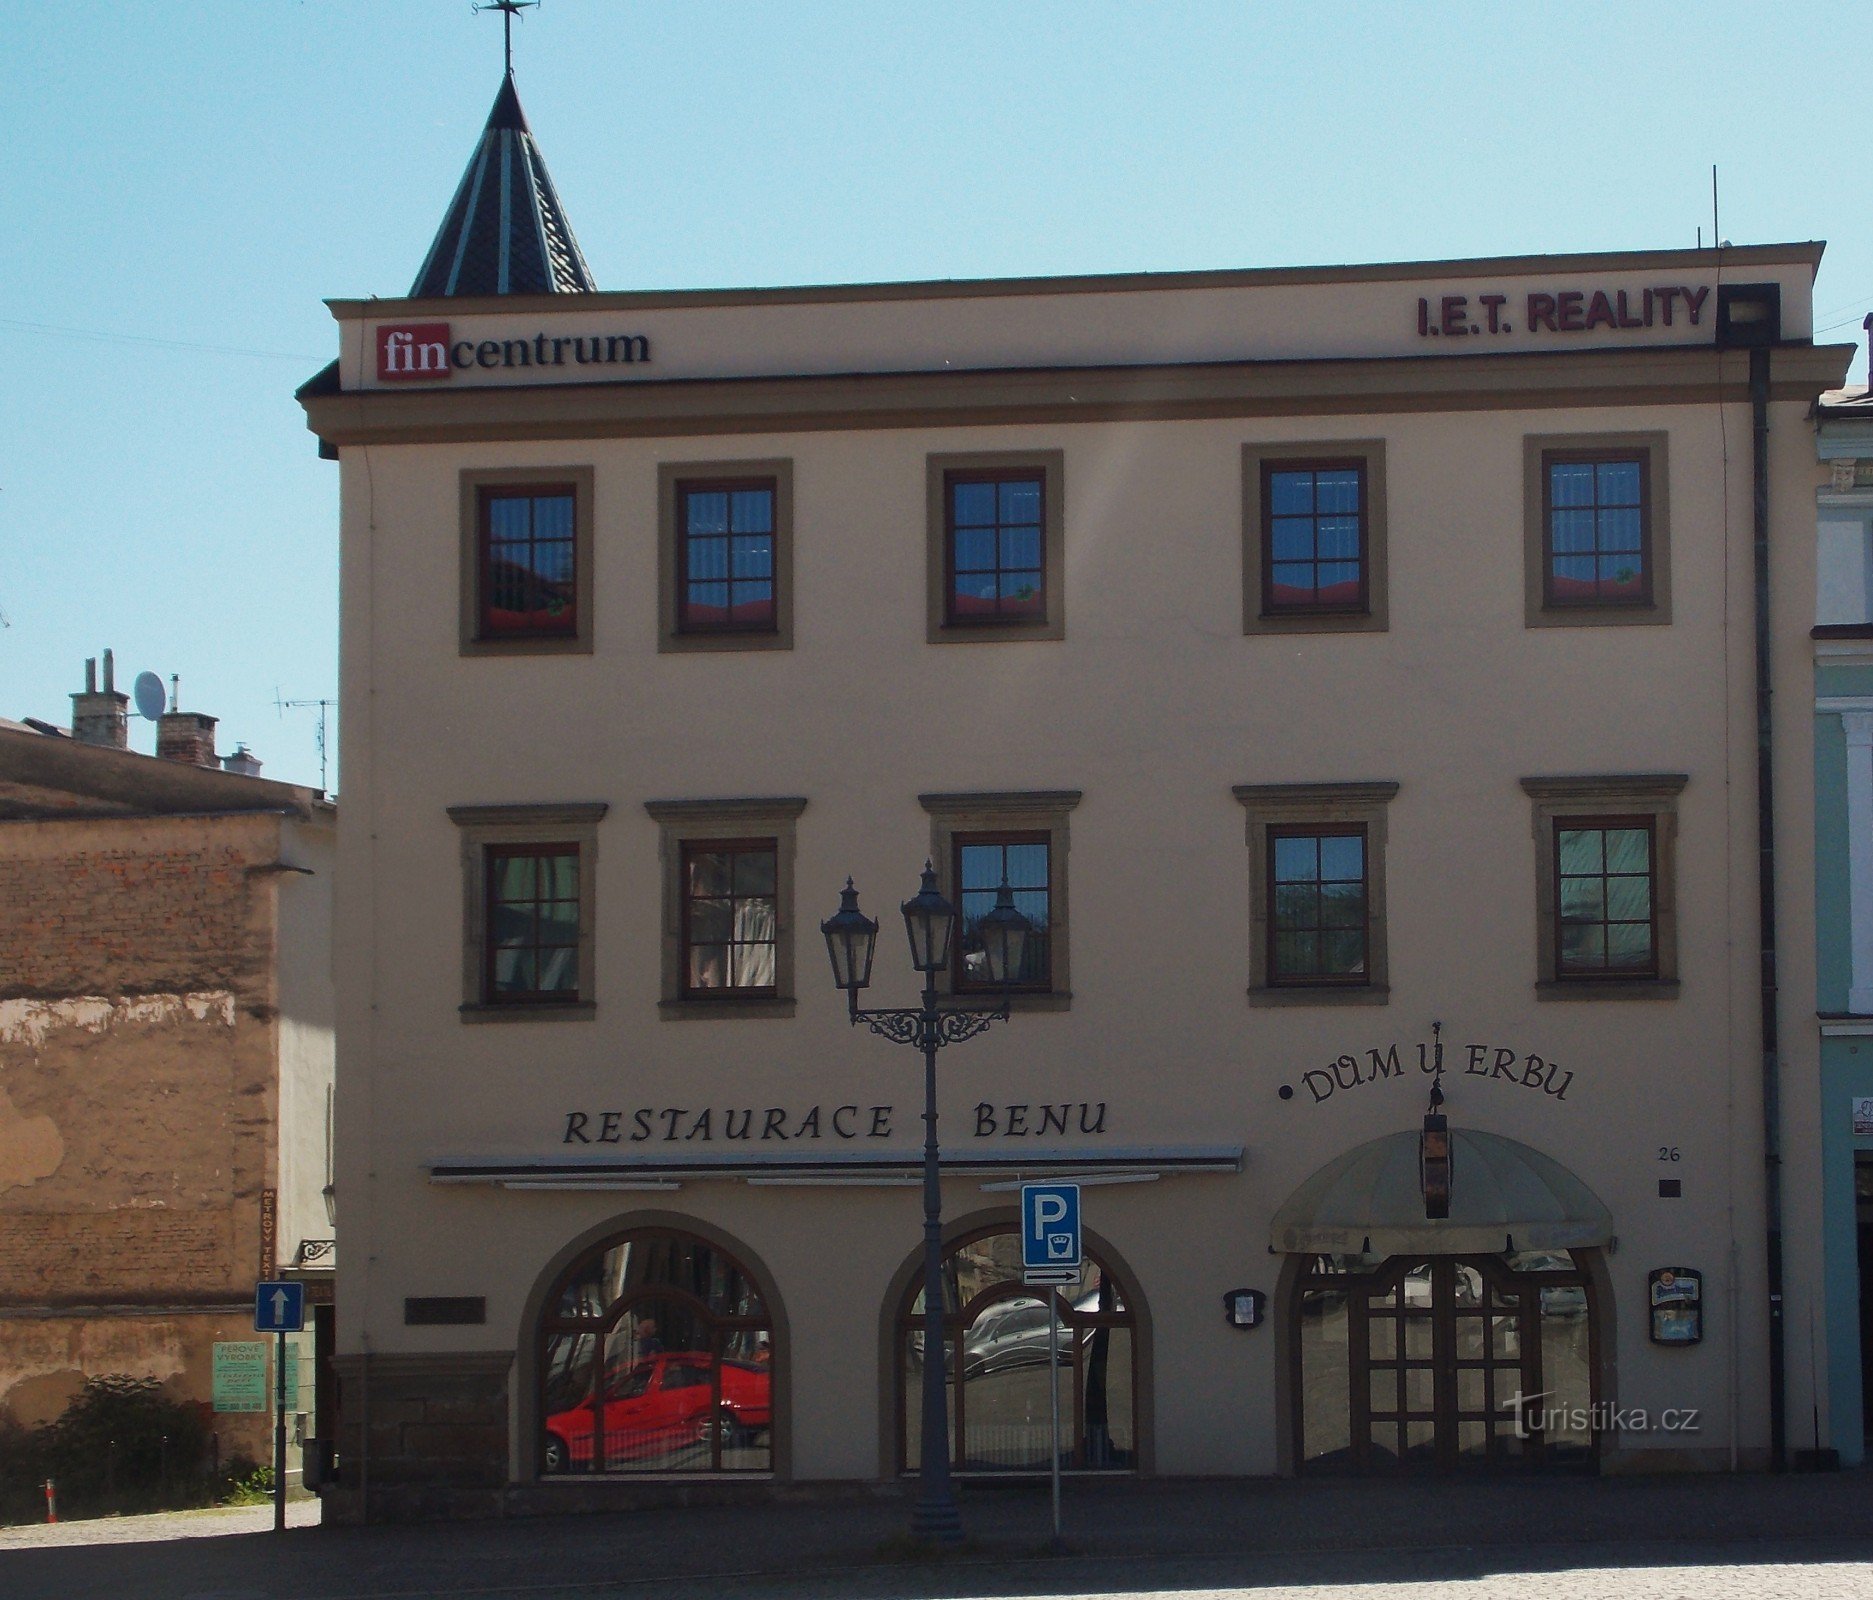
x=1048 y=1209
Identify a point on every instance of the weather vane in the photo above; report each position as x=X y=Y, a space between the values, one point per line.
x=509 y=9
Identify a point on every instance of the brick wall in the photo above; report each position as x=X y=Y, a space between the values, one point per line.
x=138 y=1083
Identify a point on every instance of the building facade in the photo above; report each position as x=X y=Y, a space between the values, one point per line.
x=1353 y=674
x=1843 y=757
x=165 y=1067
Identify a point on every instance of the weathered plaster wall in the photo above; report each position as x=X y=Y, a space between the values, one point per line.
x=137 y=1092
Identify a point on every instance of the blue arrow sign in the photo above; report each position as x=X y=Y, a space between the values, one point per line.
x=279 y=1307
x=1050 y=1226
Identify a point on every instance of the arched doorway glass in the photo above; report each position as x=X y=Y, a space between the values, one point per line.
x=1444 y=1363
x=656 y=1355
x=996 y=1335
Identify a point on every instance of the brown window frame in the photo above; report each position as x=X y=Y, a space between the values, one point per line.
x=686 y=626
x=1563 y=971
x=956 y=477
x=485 y=831
x=479 y=488
x=960 y=982
x=1552 y=458
x=1273 y=833
x=751 y=845
x=485 y=496
x=1270 y=465
x=491 y=856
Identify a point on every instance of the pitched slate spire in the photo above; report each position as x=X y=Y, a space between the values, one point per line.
x=505 y=231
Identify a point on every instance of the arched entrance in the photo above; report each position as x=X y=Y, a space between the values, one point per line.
x=1468 y=1342
x=655 y=1355
x=996 y=1336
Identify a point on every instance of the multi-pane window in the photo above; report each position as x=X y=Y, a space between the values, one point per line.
x=1596 y=530
x=995 y=547
x=1314 y=536
x=729 y=922
x=725 y=540
x=1604 y=877
x=532 y=921
x=983 y=861
x=1317 y=906
x=529 y=585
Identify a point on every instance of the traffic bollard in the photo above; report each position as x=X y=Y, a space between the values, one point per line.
x=52 y=1501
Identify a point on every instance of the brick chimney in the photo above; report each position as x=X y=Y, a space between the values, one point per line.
x=187 y=736
x=99 y=716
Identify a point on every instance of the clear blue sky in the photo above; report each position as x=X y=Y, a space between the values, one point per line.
x=187 y=181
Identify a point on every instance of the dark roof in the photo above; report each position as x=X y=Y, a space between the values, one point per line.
x=505 y=231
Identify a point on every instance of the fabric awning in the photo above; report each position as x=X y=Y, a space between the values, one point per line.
x=1503 y=1195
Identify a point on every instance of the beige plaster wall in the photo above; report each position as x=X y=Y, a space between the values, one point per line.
x=1153 y=705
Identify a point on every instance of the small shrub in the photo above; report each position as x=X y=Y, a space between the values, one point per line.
x=244 y=1484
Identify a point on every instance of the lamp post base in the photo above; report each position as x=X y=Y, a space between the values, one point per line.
x=938 y=1520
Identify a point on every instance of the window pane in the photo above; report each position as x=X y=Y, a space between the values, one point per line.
x=1339 y=539
x=753 y=558
x=1570 y=483
x=1629 y=899
x=1291 y=493
x=1343 y=905
x=1343 y=857
x=1573 y=532
x=974 y=503
x=1629 y=944
x=1297 y=954
x=754 y=872
x=708 y=512
x=708 y=966
x=708 y=874
x=710 y=921
x=1297 y=859
x=1583 y=944
x=1020 y=591
x=1338 y=582
x=1291 y=539
x=752 y=966
x=708 y=558
x=1581 y=900
x=707 y=602
x=1343 y=954
x=552 y=516
x=1021 y=547
x=1337 y=491
x=975 y=549
x=559 y=970
x=1021 y=501
x=514 y=877
x=1619 y=530
x=1618 y=483
x=1628 y=850
x=1580 y=850
x=1296 y=906
x=510 y=518
x=1294 y=582
x=981 y=866
x=1027 y=866
x=753 y=510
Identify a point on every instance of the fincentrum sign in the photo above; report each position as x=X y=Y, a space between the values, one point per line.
x=427 y=352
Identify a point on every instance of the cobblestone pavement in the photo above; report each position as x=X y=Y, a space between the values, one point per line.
x=1639 y=1539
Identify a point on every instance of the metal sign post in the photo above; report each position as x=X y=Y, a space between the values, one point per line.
x=1051 y=1257
x=279 y=1309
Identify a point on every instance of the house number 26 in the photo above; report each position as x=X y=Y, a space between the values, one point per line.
x=1668 y=1152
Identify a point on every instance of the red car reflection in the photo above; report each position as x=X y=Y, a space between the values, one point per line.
x=661 y=1404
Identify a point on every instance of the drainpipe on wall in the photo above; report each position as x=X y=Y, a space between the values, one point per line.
x=1765 y=844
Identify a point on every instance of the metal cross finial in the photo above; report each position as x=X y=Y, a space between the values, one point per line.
x=509 y=9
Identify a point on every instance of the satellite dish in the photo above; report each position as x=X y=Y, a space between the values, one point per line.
x=151 y=700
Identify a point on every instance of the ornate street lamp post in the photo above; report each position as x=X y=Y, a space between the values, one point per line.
x=930 y=921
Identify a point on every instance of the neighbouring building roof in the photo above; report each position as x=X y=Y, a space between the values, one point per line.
x=62 y=778
x=505 y=231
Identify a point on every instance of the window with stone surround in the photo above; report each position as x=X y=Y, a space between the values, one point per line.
x=526 y=582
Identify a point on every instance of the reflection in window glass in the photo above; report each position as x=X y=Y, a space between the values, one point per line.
x=996 y=539
x=527 y=553
x=730 y=932
x=726 y=535
x=1317 y=905
x=532 y=920
x=1596 y=532
x=657 y=1357
x=1314 y=537
x=997 y=1334
x=1603 y=893
x=981 y=865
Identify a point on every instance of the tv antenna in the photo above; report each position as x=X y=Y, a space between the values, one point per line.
x=324 y=706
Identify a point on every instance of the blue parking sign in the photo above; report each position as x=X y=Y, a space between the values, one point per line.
x=1050 y=1226
x=279 y=1307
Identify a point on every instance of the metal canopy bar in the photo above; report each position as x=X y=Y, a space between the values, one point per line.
x=589 y=1170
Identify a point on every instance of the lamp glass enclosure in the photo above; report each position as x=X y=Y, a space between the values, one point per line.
x=1004 y=934
x=851 y=938
x=929 y=920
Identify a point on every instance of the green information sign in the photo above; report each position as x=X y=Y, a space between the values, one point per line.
x=240 y=1376
x=292 y=1377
